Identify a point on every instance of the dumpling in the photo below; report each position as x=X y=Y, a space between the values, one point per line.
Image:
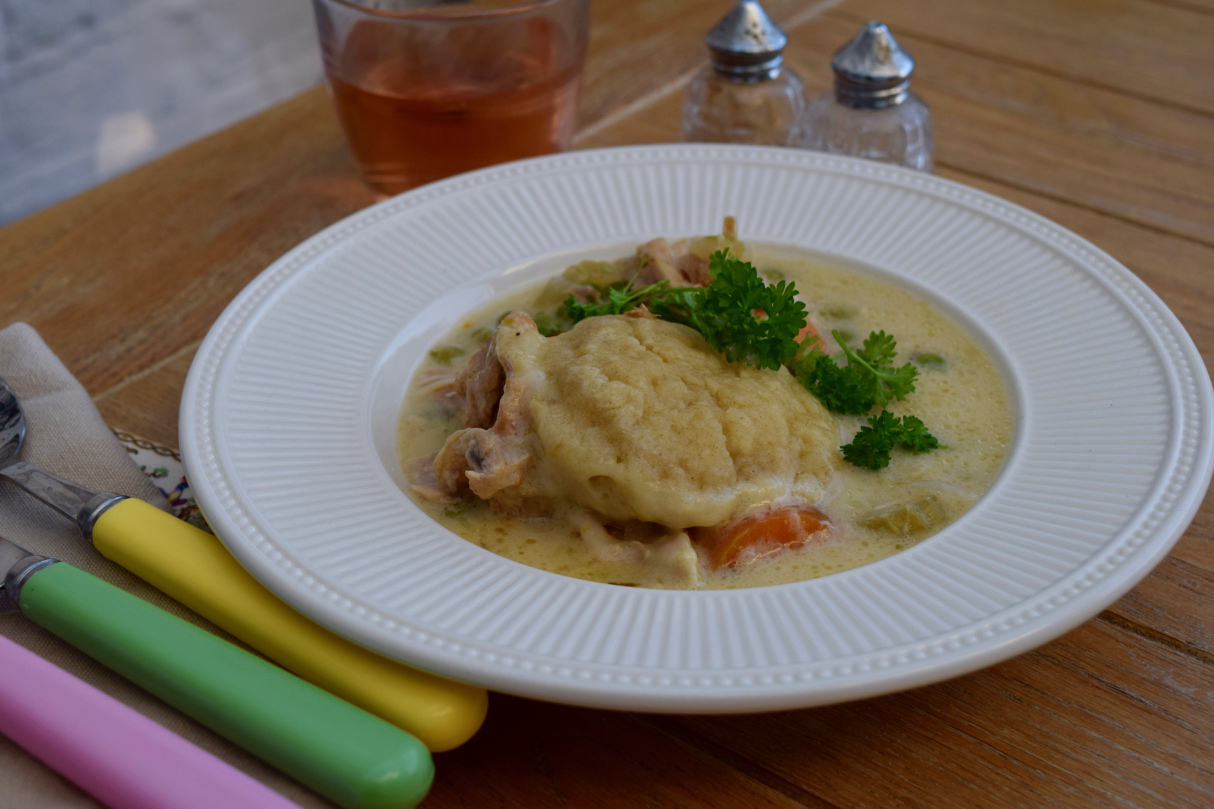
x=636 y=419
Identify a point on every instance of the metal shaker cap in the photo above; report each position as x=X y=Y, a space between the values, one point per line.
x=872 y=71
x=747 y=45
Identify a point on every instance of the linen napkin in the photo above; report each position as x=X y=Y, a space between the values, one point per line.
x=66 y=435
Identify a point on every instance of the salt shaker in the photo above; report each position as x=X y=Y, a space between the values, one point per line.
x=870 y=112
x=745 y=94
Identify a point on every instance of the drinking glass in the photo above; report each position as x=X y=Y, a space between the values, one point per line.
x=425 y=89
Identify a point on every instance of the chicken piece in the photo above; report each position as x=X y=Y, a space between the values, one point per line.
x=479 y=386
x=686 y=263
x=662 y=262
x=424 y=483
x=672 y=563
x=439 y=384
x=667 y=562
x=493 y=463
x=602 y=545
x=486 y=461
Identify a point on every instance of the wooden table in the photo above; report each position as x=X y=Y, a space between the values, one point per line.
x=1098 y=114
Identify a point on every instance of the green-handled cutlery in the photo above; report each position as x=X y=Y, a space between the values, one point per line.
x=355 y=759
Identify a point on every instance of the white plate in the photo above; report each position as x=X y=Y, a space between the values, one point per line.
x=289 y=414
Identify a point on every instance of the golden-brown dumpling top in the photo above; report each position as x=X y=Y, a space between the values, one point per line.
x=638 y=418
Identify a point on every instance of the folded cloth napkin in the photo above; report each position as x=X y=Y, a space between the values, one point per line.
x=66 y=435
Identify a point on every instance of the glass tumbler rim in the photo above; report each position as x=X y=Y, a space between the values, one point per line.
x=524 y=7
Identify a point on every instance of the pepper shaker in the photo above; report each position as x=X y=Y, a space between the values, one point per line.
x=746 y=94
x=870 y=112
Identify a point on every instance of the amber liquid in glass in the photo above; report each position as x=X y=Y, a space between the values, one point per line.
x=408 y=124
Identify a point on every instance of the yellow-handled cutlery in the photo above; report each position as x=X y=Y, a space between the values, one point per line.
x=194 y=568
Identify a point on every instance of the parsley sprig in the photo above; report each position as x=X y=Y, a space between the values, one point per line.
x=620 y=300
x=871 y=447
x=869 y=378
x=739 y=315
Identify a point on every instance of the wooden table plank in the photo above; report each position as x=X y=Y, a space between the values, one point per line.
x=1140 y=48
x=146 y=404
x=1203 y=6
x=1097 y=718
x=534 y=754
x=150 y=259
x=1144 y=162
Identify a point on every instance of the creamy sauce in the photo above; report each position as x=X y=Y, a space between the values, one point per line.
x=959 y=394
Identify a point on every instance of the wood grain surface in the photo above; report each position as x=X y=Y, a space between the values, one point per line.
x=1098 y=114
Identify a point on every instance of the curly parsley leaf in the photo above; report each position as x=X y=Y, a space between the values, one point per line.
x=744 y=318
x=679 y=306
x=867 y=380
x=619 y=300
x=872 y=446
x=841 y=390
x=874 y=365
x=916 y=437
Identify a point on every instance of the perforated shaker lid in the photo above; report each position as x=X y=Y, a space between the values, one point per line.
x=872 y=70
x=747 y=45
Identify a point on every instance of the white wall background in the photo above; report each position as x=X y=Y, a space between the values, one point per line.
x=92 y=88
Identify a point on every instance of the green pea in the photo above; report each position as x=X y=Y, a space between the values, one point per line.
x=444 y=354
x=837 y=311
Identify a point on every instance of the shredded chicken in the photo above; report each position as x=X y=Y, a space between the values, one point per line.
x=479 y=386
x=424 y=483
x=439 y=385
x=492 y=461
x=662 y=262
x=487 y=461
x=668 y=562
x=685 y=263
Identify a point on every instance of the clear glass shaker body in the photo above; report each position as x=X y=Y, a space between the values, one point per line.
x=899 y=134
x=720 y=110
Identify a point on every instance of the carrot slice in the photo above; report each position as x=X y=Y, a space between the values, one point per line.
x=809 y=329
x=760 y=534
